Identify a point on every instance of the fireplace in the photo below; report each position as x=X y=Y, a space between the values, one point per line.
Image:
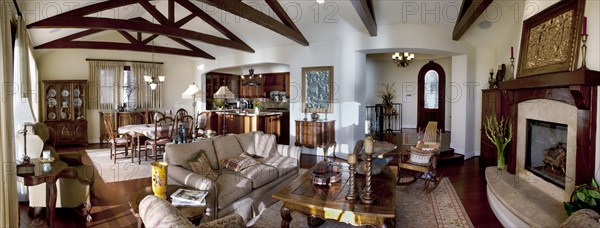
x=546 y=151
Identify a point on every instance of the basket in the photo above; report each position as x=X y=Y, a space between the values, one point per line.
x=421 y=156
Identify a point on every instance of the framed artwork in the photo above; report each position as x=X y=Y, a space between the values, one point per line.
x=317 y=89
x=550 y=39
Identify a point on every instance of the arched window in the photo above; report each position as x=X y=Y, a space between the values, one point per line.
x=432 y=81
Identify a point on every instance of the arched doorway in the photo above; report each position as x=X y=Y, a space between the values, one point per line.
x=431 y=94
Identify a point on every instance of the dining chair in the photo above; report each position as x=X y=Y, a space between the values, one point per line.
x=201 y=122
x=156 y=115
x=137 y=118
x=116 y=140
x=188 y=123
x=163 y=133
x=180 y=113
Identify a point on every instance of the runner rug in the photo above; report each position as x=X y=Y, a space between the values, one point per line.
x=122 y=170
x=414 y=208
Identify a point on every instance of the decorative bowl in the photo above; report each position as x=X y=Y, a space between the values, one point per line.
x=326 y=174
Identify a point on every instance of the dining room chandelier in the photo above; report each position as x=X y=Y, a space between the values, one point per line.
x=404 y=59
x=251 y=79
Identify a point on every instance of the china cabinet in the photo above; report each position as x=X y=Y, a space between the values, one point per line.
x=64 y=110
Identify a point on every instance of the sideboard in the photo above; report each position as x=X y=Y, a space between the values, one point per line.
x=319 y=133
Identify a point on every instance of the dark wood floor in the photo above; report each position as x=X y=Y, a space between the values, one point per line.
x=111 y=209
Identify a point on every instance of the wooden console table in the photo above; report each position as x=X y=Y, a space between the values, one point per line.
x=319 y=133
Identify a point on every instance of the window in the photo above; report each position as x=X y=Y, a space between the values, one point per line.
x=129 y=91
x=432 y=80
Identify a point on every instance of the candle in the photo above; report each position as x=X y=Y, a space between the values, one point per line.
x=369 y=145
x=46 y=154
x=491 y=70
x=512 y=52
x=352 y=159
x=584 y=31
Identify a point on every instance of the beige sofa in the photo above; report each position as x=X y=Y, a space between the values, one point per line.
x=246 y=192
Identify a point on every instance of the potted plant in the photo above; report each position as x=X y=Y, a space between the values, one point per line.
x=584 y=196
x=387 y=94
x=500 y=133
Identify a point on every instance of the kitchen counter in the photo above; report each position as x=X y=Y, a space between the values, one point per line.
x=233 y=121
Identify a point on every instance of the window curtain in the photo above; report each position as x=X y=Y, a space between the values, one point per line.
x=148 y=98
x=9 y=211
x=105 y=81
x=25 y=77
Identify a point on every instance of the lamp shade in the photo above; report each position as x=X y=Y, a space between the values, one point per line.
x=190 y=91
x=224 y=92
x=147 y=78
x=153 y=86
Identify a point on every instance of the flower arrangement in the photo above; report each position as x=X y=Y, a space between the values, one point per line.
x=584 y=196
x=387 y=93
x=500 y=133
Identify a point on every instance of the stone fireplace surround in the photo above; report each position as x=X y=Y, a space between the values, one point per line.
x=571 y=98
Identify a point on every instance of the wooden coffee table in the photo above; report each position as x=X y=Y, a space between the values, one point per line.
x=329 y=202
x=193 y=213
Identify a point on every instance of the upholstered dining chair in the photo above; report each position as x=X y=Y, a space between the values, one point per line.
x=201 y=122
x=421 y=160
x=163 y=133
x=188 y=123
x=116 y=140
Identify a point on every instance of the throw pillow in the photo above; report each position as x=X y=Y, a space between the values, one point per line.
x=200 y=165
x=265 y=145
x=238 y=163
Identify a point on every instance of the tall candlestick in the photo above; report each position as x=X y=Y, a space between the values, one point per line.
x=584 y=31
x=368 y=196
x=512 y=52
x=368 y=145
x=583 y=51
x=351 y=189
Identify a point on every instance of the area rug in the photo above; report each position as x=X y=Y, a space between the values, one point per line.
x=414 y=208
x=123 y=170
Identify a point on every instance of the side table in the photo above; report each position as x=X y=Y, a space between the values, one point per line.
x=49 y=177
x=192 y=213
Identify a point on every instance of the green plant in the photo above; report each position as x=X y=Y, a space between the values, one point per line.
x=500 y=133
x=387 y=93
x=584 y=196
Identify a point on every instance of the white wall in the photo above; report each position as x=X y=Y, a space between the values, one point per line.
x=70 y=64
x=347 y=55
x=384 y=71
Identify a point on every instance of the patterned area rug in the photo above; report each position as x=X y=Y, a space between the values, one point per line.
x=123 y=170
x=414 y=208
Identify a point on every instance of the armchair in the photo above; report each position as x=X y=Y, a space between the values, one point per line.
x=422 y=160
x=73 y=187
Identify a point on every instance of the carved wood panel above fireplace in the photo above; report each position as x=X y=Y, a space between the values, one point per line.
x=578 y=88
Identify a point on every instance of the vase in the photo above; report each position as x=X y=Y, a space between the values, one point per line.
x=314 y=116
x=159 y=179
x=501 y=162
x=388 y=110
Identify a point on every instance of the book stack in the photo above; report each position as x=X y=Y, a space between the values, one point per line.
x=188 y=197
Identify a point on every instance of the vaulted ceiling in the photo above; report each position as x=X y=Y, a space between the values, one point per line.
x=209 y=28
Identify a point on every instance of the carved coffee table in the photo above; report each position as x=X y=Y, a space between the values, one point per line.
x=329 y=202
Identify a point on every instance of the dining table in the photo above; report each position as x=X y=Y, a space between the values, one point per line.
x=138 y=132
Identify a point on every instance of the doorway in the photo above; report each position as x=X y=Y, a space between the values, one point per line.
x=431 y=94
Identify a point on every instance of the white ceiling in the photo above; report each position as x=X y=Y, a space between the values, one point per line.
x=318 y=23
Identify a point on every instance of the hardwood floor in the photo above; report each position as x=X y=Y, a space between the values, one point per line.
x=111 y=208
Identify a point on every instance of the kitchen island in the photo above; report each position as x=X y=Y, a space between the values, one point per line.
x=235 y=121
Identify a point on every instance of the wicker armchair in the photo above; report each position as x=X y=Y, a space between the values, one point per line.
x=421 y=160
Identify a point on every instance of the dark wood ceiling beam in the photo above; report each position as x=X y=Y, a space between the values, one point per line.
x=129 y=37
x=123 y=46
x=171 y=11
x=150 y=38
x=280 y=12
x=184 y=20
x=469 y=17
x=137 y=26
x=208 y=19
x=98 y=7
x=154 y=12
x=365 y=11
x=240 y=9
x=82 y=34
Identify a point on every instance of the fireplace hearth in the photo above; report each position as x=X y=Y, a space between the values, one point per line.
x=546 y=151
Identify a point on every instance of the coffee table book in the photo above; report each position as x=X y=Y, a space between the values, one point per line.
x=188 y=196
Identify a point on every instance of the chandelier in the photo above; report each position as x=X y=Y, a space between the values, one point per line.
x=251 y=80
x=402 y=60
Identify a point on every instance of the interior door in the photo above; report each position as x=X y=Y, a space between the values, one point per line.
x=431 y=95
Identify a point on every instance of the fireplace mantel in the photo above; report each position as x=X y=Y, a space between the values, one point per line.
x=578 y=88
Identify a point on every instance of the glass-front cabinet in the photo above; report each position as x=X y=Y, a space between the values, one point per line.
x=64 y=110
